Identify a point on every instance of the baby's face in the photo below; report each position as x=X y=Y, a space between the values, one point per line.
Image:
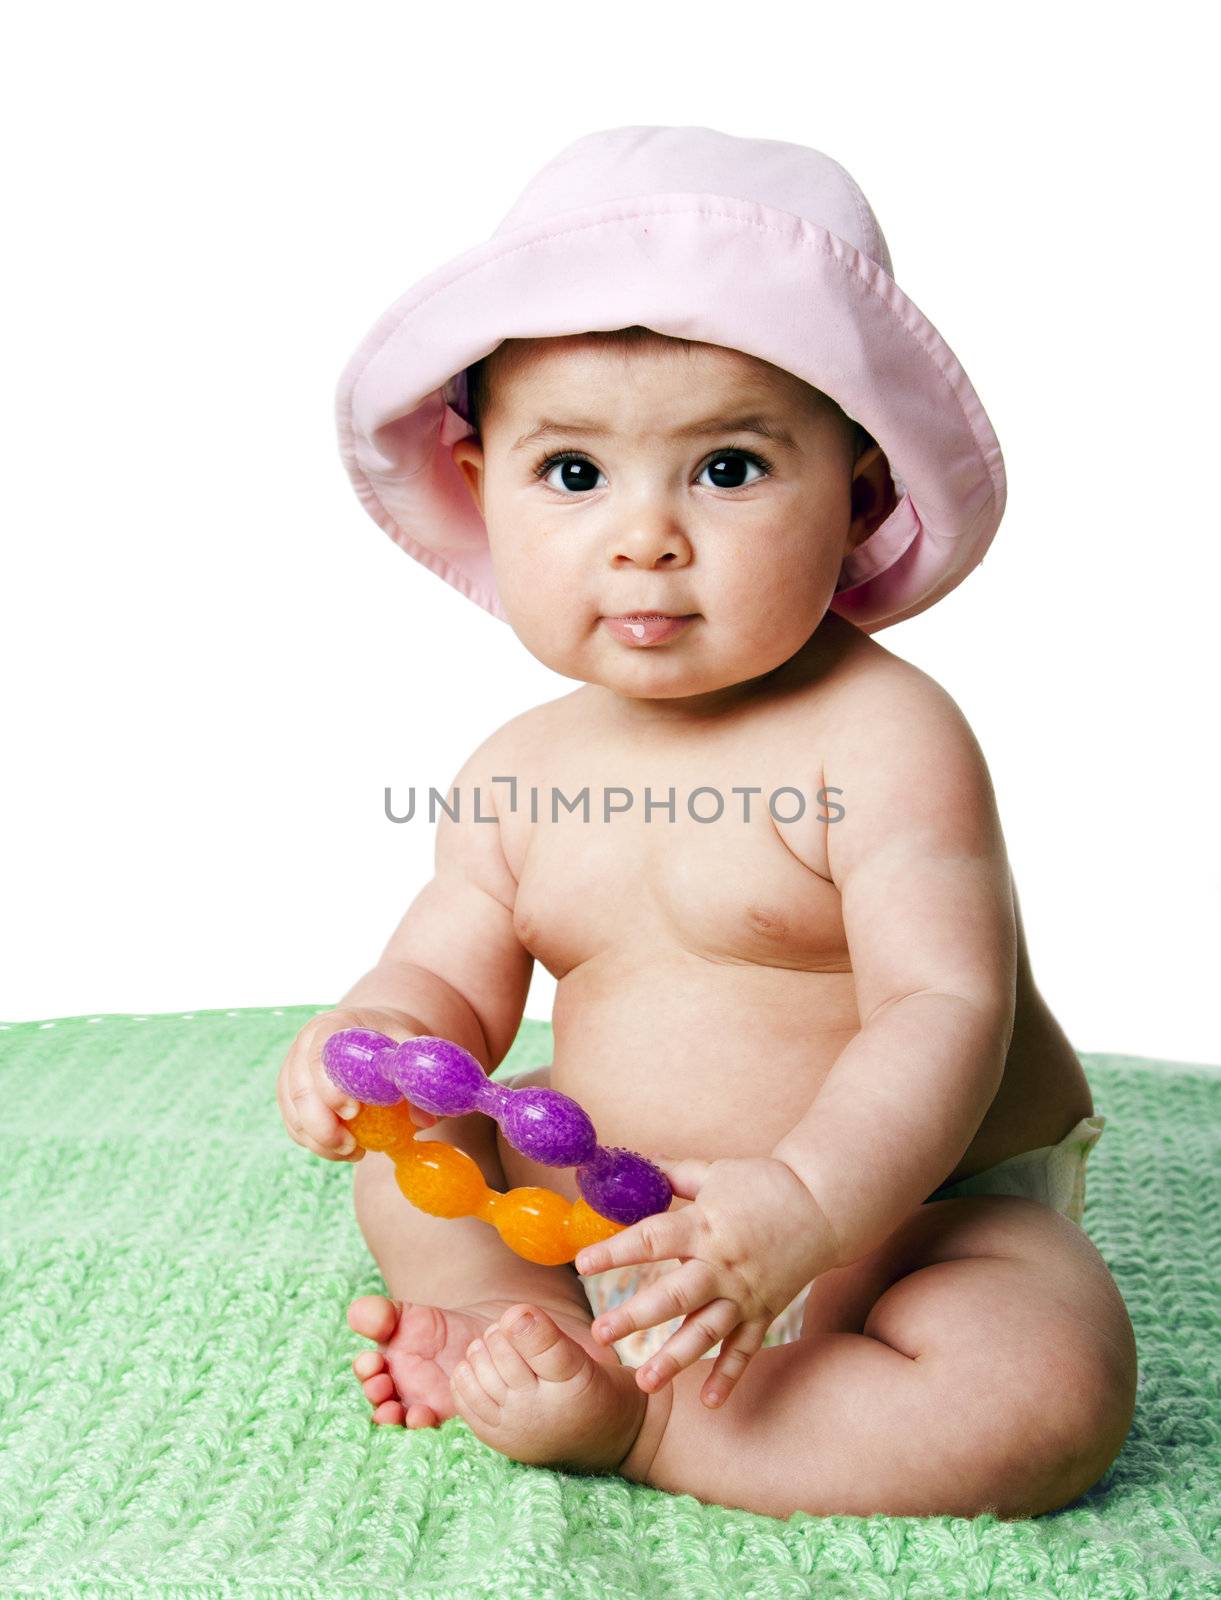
x=658 y=503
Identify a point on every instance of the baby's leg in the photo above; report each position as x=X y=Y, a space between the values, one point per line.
x=981 y=1359
x=448 y=1279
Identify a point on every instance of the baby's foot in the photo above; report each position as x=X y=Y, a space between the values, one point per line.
x=407 y=1379
x=537 y=1396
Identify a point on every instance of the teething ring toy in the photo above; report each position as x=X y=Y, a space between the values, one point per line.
x=618 y=1187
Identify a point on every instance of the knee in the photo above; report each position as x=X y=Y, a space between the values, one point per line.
x=372 y=1171
x=1075 y=1410
x=1095 y=1388
x=1043 y=1392
x=535 y=1078
x=373 y=1177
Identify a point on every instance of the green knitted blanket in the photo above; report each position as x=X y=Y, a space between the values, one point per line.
x=179 y=1417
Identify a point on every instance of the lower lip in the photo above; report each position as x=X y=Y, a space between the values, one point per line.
x=645 y=630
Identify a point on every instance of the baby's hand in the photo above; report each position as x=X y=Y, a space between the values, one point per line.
x=314 y=1109
x=750 y=1242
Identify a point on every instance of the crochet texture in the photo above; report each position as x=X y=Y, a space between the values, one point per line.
x=179 y=1417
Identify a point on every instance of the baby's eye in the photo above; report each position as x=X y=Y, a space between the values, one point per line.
x=731 y=461
x=577 y=472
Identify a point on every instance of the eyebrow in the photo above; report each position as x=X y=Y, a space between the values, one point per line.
x=754 y=422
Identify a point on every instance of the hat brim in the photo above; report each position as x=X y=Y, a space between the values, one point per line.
x=705 y=267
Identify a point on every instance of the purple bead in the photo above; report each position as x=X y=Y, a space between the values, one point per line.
x=438 y=1075
x=549 y=1127
x=351 y=1060
x=623 y=1186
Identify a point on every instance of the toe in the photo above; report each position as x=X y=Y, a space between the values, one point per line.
x=374 y=1316
x=479 y=1357
x=380 y=1388
x=508 y=1361
x=543 y=1345
x=421 y=1416
x=391 y=1411
x=471 y=1398
x=368 y=1363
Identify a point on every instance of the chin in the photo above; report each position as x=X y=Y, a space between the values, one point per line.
x=651 y=680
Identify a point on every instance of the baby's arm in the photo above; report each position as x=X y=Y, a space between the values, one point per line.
x=455 y=959
x=453 y=967
x=920 y=863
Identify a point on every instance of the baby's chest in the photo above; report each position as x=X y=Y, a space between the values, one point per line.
x=729 y=888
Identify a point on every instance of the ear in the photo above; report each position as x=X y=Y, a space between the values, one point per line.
x=467 y=456
x=873 y=495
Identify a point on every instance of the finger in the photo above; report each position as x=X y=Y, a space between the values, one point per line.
x=294 y=1076
x=737 y=1348
x=657 y=1238
x=317 y=1122
x=341 y=1105
x=674 y=1294
x=332 y=1096
x=345 y=1105
x=686 y=1175
x=703 y=1327
x=298 y=1133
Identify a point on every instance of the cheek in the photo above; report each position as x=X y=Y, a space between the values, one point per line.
x=793 y=538
x=544 y=598
x=775 y=572
x=534 y=579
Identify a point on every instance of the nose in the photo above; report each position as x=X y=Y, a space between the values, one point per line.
x=650 y=542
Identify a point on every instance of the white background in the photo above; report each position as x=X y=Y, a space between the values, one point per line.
x=214 y=661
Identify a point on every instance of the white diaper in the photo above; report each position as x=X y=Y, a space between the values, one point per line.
x=1054 y=1174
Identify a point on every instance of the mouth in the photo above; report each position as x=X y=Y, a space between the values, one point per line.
x=647 y=627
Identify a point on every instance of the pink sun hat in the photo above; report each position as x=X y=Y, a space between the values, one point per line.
x=762 y=246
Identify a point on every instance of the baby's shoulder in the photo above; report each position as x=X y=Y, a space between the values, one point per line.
x=904 y=762
x=883 y=711
x=511 y=748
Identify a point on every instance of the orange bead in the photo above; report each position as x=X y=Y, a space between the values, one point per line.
x=532 y=1222
x=587 y=1226
x=441 y=1179
x=438 y=1178
x=387 y=1128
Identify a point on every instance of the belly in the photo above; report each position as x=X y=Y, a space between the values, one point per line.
x=677 y=1055
x=674 y=1054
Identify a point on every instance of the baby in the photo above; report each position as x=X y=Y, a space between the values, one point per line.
x=759 y=852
